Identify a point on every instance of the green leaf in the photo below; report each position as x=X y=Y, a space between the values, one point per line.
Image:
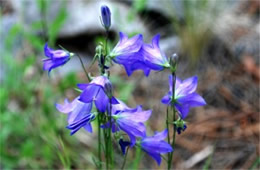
x=57 y=24
x=28 y=149
x=12 y=35
x=34 y=40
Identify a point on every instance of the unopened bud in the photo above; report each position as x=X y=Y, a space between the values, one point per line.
x=180 y=125
x=173 y=59
x=106 y=16
x=173 y=62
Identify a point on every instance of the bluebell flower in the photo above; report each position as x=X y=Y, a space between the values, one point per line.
x=55 y=58
x=127 y=53
x=106 y=16
x=79 y=114
x=153 y=57
x=129 y=120
x=185 y=95
x=97 y=91
x=155 y=145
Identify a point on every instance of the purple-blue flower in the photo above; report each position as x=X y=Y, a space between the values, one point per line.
x=127 y=53
x=185 y=95
x=129 y=120
x=106 y=16
x=79 y=115
x=97 y=91
x=155 y=145
x=55 y=58
x=154 y=58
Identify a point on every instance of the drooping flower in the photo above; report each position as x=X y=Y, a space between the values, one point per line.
x=79 y=114
x=106 y=16
x=127 y=53
x=129 y=120
x=97 y=90
x=185 y=96
x=154 y=58
x=55 y=58
x=155 y=145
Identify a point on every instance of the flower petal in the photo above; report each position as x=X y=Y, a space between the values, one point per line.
x=101 y=100
x=126 y=45
x=76 y=125
x=88 y=128
x=121 y=106
x=139 y=116
x=155 y=156
x=47 y=51
x=166 y=99
x=82 y=86
x=192 y=100
x=114 y=100
x=161 y=135
x=79 y=111
x=177 y=83
x=154 y=58
x=89 y=93
x=156 y=146
x=132 y=128
x=188 y=86
x=100 y=80
x=183 y=109
x=155 y=41
x=49 y=64
x=66 y=107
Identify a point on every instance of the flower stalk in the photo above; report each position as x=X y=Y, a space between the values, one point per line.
x=83 y=67
x=99 y=142
x=170 y=155
x=123 y=165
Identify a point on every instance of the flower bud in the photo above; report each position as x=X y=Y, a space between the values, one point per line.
x=180 y=125
x=123 y=144
x=173 y=62
x=106 y=16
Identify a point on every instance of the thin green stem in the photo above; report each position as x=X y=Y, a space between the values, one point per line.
x=125 y=158
x=103 y=57
x=168 y=134
x=82 y=65
x=106 y=142
x=44 y=21
x=106 y=41
x=109 y=133
x=99 y=143
x=174 y=119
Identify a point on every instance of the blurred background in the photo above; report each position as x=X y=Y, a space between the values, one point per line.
x=218 y=40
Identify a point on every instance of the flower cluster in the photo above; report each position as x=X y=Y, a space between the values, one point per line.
x=97 y=103
x=79 y=110
x=134 y=54
x=184 y=98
